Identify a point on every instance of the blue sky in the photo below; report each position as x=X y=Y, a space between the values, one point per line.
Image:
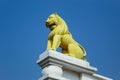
x=23 y=35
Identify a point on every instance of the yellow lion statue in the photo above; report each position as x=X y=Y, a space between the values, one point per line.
x=59 y=36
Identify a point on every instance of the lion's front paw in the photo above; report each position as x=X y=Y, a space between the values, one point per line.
x=51 y=49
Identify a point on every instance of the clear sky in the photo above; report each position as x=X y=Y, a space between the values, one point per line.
x=23 y=35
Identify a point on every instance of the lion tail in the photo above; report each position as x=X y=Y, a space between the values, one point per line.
x=84 y=51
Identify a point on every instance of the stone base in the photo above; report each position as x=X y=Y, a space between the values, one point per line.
x=57 y=66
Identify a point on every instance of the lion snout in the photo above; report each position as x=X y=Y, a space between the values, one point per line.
x=47 y=24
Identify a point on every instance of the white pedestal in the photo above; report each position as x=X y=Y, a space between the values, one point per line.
x=57 y=66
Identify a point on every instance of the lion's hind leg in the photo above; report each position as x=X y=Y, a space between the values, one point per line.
x=75 y=51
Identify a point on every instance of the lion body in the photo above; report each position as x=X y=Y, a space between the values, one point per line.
x=61 y=37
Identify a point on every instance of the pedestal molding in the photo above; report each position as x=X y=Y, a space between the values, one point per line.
x=73 y=69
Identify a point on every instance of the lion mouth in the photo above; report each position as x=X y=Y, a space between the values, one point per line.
x=53 y=24
x=50 y=25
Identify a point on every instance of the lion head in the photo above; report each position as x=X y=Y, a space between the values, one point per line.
x=52 y=21
x=57 y=25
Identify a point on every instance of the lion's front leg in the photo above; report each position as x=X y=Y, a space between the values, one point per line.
x=56 y=42
x=49 y=44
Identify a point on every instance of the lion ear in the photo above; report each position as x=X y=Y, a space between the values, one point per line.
x=55 y=13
